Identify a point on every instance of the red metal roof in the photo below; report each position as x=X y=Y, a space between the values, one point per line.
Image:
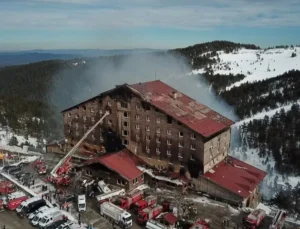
x=236 y=176
x=120 y=162
x=184 y=109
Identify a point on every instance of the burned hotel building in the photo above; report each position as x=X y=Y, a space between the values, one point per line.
x=160 y=125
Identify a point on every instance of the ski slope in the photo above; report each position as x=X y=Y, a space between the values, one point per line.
x=255 y=64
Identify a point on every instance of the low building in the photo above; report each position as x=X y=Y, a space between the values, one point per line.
x=233 y=181
x=119 y=169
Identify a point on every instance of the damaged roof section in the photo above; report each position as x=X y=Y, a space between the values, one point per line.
x=122 y=162
x=179 y=106
x=236 y=176
x=182 y=108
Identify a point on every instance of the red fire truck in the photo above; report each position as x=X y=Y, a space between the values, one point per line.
x=13 y=204
x=7 y=188
x=126 y=202
x=149 y=213
x=278 y=220
x=149 y=201
x=255 y=218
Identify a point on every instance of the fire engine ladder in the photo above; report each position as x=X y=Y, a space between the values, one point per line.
x=73 y=150
x=278 y=220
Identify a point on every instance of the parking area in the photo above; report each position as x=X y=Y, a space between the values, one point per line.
x=190 y=207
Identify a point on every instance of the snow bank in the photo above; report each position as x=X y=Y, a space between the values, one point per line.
x=150 y=173
x=5 y=136
x=265 y=208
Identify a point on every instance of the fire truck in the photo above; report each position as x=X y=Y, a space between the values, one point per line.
x=7 y=188
x=278 y=220
x=60 y=173
x=149 y=213
x=13 y=204
x=254 y=219
x=149 y=201
x=126 y=202
x=107 y=196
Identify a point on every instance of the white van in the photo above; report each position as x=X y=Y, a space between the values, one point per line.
x=26 y=203
x=48 y=219
x=40 y=210
x=37 y=218
x=81 y=201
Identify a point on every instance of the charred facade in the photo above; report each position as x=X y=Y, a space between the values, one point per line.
x=160 y=135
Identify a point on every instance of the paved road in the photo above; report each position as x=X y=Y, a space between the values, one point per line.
x=12 y=221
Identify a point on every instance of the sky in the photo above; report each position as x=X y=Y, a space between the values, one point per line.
x=159 y=24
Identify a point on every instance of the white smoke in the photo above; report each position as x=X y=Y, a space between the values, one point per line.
x=73 y=87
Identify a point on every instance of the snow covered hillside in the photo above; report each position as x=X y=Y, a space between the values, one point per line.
x=256 y=64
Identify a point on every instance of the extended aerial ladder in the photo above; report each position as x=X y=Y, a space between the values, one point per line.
x=63 y=166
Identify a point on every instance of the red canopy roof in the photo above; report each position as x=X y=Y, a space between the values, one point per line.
x=120 y=162
x=186 y=110
x=236 y=176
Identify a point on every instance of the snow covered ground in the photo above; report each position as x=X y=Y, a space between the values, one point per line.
x=261 y=115
x=256 y=64
x=6 y=135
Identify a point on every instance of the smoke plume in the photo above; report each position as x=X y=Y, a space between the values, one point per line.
x=87 y=80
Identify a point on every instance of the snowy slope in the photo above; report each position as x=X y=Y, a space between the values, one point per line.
x=256 y=64
x=261 y=115
x=5 y=136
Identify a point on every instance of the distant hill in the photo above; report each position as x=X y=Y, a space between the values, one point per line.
x=31 y=56
x=8 y=59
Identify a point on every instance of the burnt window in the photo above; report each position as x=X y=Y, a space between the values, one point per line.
x=169 y=142
x=76 y=116
x=181 y=134
x=124 y=105
x=125 y=142
x=125 y=114
x=109 y=103
x=157 y=140
x=148 y=138
x=84 y=118
x=193 y=147
x=147 y=149
x=138 y=106
x=100 y=102
x=169 y=119
x=180 y=144
x=84 y=107
x=179 y=123
x=169 y=152
x=69 y=115
x=137 y=137
x=147 y=128
x=125 y=123
x=148 y=118
x=193 y=136
x=146 y=106
x=125 y=133
x=137 y=126
x=158 y=120
x=137 y=117
x=169 y=132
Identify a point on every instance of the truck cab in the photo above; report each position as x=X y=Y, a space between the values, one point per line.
x=81 y=201
x=13 y=204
